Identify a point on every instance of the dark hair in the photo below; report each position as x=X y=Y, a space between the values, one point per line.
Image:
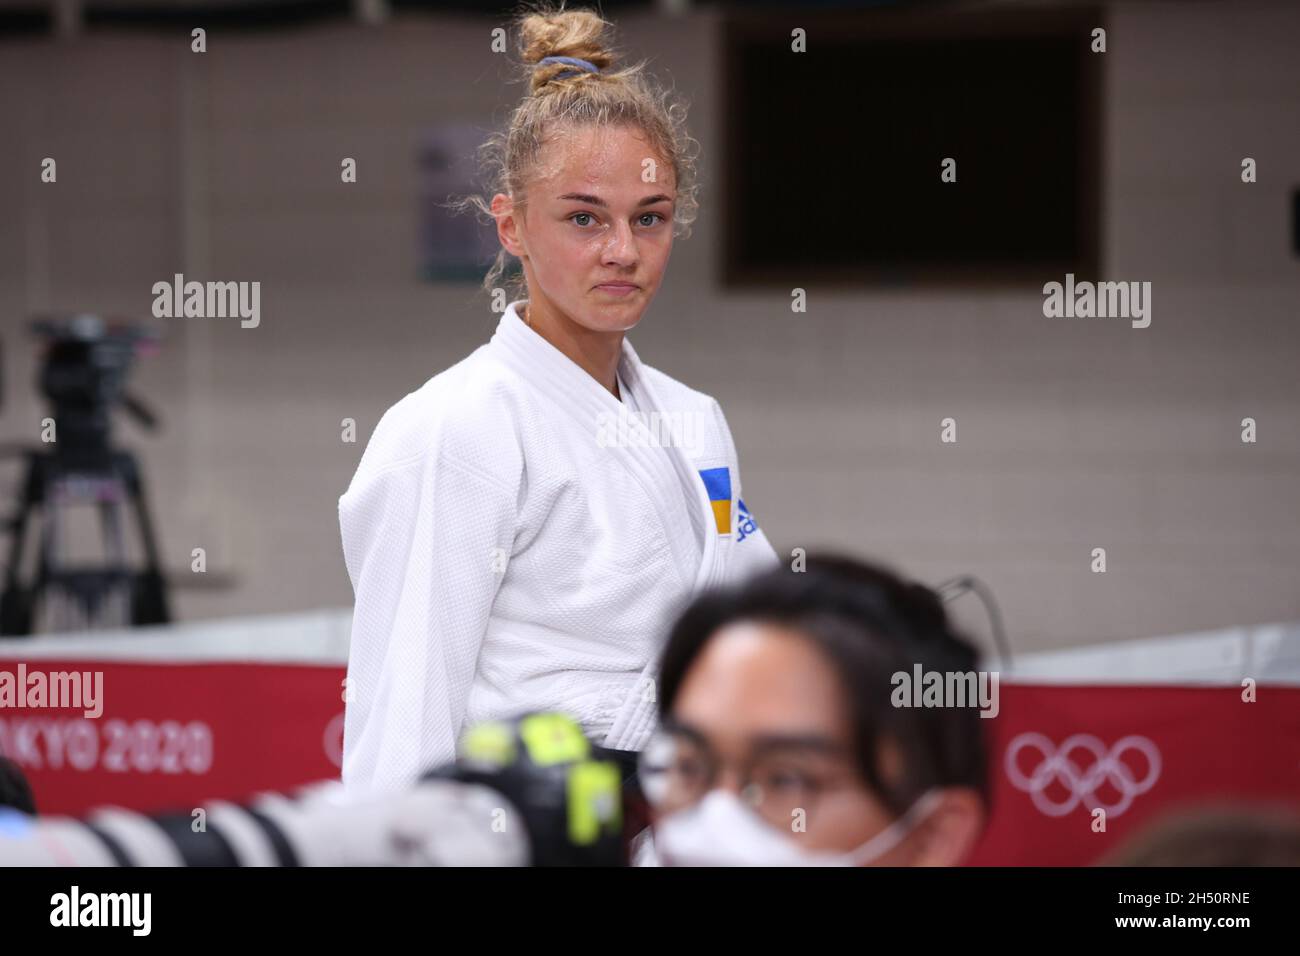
x=15 y=791
x=870 y=624
x=1234 y=835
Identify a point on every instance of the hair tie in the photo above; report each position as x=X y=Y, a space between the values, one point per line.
x=583 y=65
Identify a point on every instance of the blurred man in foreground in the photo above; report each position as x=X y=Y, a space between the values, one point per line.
x=780 y=744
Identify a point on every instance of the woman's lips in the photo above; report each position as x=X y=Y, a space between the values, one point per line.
x=618 y=288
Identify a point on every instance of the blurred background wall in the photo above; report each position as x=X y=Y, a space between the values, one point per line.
x=1071 y=435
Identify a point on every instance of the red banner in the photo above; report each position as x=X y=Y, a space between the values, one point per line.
x=175 y=735
x=1059 y=753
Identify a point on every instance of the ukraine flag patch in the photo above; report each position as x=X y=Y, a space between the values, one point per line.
x=717 y=482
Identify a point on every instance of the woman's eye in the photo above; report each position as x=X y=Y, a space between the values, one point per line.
x=584 y=219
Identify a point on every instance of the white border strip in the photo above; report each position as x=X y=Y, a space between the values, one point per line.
x=314 y=637
x=1270 y=653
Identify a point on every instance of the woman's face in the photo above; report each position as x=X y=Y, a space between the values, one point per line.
x=764 y=706
x=593 y=219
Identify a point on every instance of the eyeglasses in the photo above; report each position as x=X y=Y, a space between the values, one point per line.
x=677 y=769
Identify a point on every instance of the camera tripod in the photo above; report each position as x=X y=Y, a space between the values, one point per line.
x=84 y=375
x=82 y=597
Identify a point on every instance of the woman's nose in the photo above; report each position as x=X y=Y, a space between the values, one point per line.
x=620 y=247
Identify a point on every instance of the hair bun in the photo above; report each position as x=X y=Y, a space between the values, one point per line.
x=573 y=33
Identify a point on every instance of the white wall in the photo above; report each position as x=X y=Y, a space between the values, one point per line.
x=1072 y=435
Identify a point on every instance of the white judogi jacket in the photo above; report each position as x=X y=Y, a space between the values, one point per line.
x=518 y=540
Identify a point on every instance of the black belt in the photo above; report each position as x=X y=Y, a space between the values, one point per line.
x=636 y=811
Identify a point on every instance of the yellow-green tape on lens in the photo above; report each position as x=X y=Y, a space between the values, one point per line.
x=552 y=739
x=491 y=743
x=595 y=797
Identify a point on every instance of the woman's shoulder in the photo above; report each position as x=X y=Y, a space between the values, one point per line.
x=676 y=394
x=469 y=412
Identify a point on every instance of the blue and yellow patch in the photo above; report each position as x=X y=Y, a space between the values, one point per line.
x=717 y=482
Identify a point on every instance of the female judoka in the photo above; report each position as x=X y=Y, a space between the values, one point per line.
x=518 y=534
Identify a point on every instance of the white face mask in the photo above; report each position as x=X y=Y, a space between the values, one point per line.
x=722 y=830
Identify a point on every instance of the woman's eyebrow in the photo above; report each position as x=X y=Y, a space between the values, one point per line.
x=597 y=201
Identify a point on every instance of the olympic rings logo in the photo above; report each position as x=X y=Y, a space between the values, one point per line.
x=1057 y=766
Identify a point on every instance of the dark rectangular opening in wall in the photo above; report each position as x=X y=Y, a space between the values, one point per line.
x=1295 y=221
x=833 y=157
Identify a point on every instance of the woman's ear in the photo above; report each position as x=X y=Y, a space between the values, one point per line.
x=508 y=215
x=946 y=836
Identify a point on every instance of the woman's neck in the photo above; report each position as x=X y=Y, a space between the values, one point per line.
x=596 y=353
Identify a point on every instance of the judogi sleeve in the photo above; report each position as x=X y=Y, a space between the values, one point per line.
x=425 y=541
